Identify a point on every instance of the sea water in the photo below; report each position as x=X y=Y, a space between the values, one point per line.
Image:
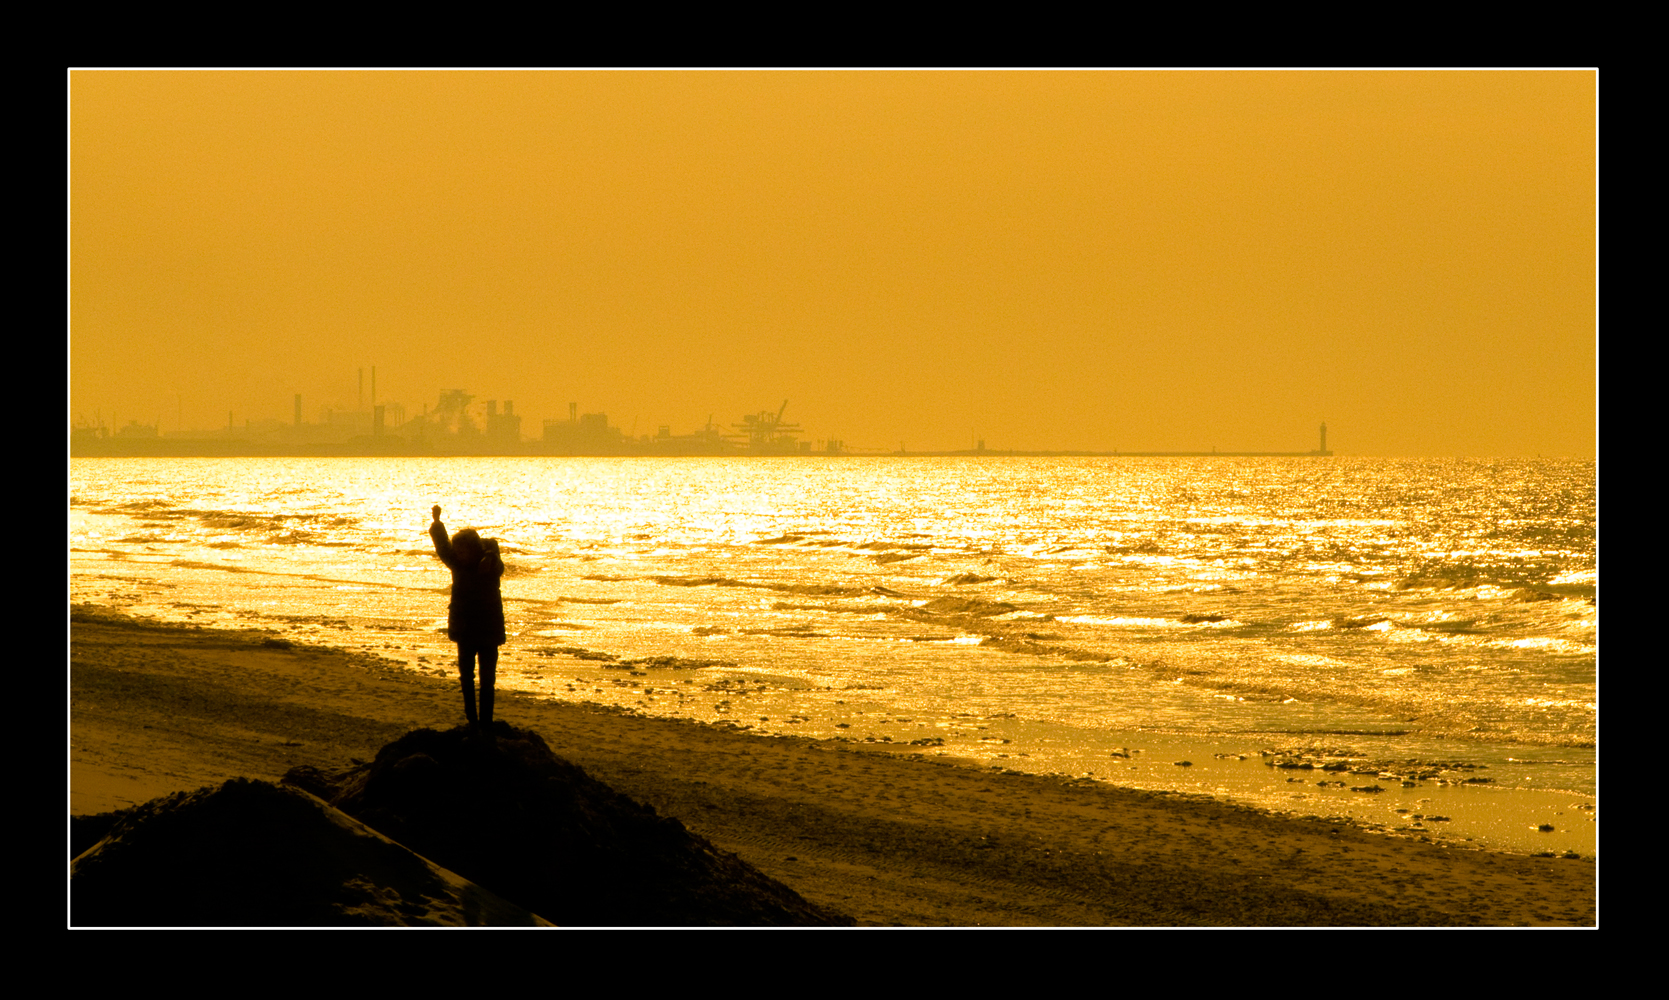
x=1288 y=632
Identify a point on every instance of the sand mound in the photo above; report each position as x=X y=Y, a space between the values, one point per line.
x=506 y=812
x=251 y=853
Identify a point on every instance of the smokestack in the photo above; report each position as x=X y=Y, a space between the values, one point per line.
x=1323 y=436
x=298 y=409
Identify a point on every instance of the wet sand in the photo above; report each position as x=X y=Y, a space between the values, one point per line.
x=889 y=836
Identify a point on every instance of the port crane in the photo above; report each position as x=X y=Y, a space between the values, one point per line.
x=765 y=432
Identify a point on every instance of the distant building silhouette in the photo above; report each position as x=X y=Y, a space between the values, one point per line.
x=583 y=434
x=506 y=427
x=135 y=429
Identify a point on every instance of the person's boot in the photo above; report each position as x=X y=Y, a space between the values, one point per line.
x=468 y=684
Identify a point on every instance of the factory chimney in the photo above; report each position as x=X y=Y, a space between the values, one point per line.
x=1323 y=448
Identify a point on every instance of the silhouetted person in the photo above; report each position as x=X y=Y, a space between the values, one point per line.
x=475 y=618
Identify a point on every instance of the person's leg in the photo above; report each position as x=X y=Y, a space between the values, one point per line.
x=489 y=672
x=466 y=680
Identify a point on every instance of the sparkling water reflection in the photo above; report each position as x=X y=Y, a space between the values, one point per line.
x=1435 y=608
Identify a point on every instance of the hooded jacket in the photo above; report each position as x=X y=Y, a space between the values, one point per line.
x=476 y=615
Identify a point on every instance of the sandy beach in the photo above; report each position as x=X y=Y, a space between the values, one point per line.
x=890 y=836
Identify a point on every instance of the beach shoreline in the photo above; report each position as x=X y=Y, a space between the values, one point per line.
x=887 y=834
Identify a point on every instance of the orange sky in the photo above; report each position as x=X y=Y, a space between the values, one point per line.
x=1089 y=260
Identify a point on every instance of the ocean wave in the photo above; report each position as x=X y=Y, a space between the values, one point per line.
x=1478 y=638
x=1576 y=578
x=808 y=589
x=1380 y=622
x=577 y=652
x=1457 y=716
x=1033 y=647
x=1557 y=592
x=1303 y=556
x=887 y=546
x=1147 y=547
x=192 y=564
x=1449 y=626
x=1581 y=704
x=965 y=606
x=321 y=529
x=136 y=506
x=1133 y=621
x=239 y=521
x=787 y=632
x=845 y=609
x=300 y=537
x=885 y=558
x=1545 y=644
x=814 y=589
x=1310 y=660
x=1531 y=572
x=1156 y=558
x=670 y=663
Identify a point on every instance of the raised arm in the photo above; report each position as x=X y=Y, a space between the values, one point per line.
x=443 y=544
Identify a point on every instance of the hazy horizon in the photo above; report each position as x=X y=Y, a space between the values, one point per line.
x=1083 y=260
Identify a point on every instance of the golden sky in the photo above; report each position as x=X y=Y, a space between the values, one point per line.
x=1086 y=260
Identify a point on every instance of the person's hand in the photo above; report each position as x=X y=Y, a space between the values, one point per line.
x=491 y=545
x=436 y=511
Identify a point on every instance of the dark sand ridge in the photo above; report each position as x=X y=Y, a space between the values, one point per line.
x=888 y=836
